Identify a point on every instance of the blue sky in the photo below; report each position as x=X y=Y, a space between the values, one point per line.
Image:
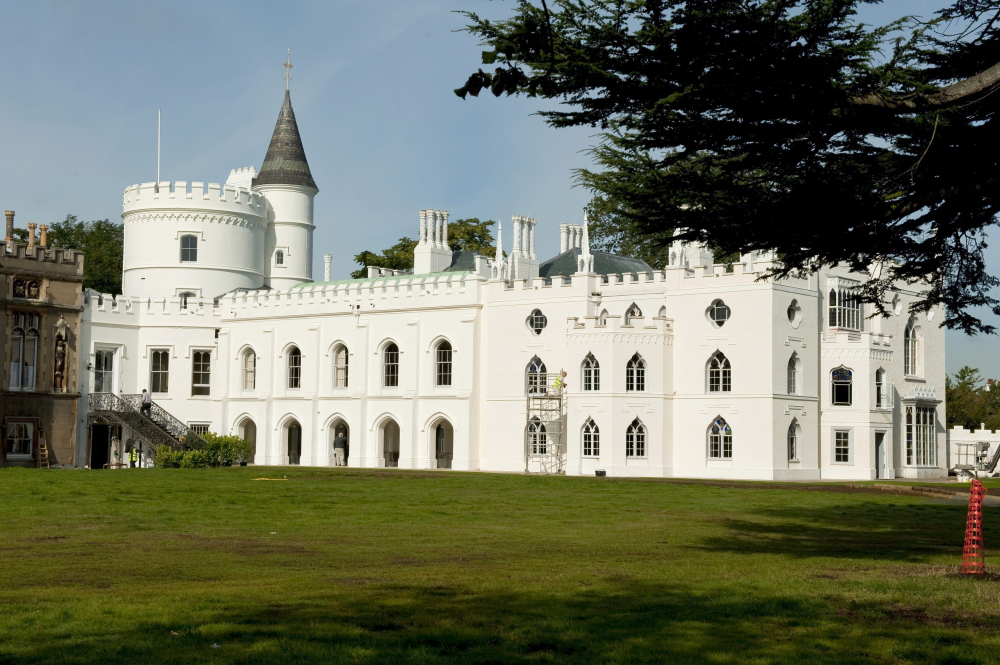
x=372 y=90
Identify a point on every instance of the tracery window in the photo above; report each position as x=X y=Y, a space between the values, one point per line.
x=23 y=351
x=189 y=249
x=537 y=321
x=842 y=386
x=443 y=364
x=718 y=313
x=845 y=306
x=29 y=289
x=635 y=374
x=390 y=366
x=591 y=439
x=591 y=373
x=720 y=374
x=535 y=377
x=340 y=366
x=720 y=440
x=249 y=370
x=294 y=365
x=635 y=439
x=632 y=312
x=920 y=440
x=537 y=442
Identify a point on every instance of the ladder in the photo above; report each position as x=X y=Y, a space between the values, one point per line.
x=43 y=453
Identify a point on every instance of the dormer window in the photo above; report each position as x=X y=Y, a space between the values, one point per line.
x=189 y=249
x=279 y=258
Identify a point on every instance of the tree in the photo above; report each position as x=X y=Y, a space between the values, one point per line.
x=102 y=244
x=970 y=403
x=778 y=124
x=463 y=235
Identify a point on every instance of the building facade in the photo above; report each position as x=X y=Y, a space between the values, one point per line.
x=40 y=292
x=692 y=369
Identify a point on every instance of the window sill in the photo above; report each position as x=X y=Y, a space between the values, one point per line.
x=160 y=396
x=841 y=404
x=12 y=456
x=628 y=457
x=795 y=461
x=843 y=463
x=915 y=378
x=720 y=459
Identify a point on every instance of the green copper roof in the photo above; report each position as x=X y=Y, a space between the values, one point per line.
x=285 y=162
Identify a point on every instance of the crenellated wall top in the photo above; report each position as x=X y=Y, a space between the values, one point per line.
x=180 y=195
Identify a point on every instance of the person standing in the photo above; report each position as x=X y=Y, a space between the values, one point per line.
x=340 y=449
x=133 y=457
x=147 y=403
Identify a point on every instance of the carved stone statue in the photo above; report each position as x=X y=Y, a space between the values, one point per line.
x=59 y=375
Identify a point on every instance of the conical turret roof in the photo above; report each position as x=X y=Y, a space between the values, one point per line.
x=285 y=162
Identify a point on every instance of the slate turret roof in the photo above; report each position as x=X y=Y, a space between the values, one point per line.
x=285 y=162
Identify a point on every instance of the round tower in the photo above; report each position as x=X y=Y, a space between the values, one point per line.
x=288 y=185
x=180 y=241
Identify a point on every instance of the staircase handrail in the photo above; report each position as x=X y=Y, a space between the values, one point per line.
x=114 y=406
x=166 y=420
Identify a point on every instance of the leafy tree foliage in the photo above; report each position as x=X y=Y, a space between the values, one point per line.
x=778 y=124
x=463 y=235
x=102 y=243
x=970 y=401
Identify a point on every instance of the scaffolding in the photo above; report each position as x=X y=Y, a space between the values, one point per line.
x=545 y=426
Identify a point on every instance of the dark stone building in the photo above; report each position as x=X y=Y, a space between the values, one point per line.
x=40 y=307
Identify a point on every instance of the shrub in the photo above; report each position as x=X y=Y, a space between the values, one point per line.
x=167 y=457
x=194 y=459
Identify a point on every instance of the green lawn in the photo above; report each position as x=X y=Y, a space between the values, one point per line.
x=349 y=566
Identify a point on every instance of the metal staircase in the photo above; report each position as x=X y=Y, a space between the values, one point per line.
x=159 y=428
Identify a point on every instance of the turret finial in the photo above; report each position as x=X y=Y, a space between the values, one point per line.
x=288 y=68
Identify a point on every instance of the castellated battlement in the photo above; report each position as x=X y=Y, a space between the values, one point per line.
x=43 y=255
x=364 y=296
x=179 y=196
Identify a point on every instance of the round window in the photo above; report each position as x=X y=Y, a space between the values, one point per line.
x=794 y=313
x=718 y=313
x=537 y=322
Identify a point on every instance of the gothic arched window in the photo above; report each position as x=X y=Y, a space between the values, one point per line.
x=841 y=386
x=390 y=366
x=635 y=439
x=535 y=377
x=249 y=370
x=443 y=364
x=720 y=440
x=911 y=350
x=294 y=361
x=536 y=437
x=340 y=360
x=635 y=374
x=632 y=312
x=591 y=373
x=720 y=374
x=591 y=439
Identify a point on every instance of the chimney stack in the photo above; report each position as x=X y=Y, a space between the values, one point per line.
x=31 y=234
x=44 y=231
x=327 y=258
x=9 y=238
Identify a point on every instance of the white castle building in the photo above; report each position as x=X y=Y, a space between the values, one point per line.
x=691 y=369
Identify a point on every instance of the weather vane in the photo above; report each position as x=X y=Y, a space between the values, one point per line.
x=288 y=68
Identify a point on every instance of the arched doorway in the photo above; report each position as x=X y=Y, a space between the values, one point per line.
x=294 y=442
x=444 y=444
x=390 y=443
x=248 y=432
x=339 y=427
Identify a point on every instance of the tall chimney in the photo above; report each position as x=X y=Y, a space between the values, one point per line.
x=9 y=238
x=563 y=237
x=327 y=258
x=31 y=234
x=44 y=231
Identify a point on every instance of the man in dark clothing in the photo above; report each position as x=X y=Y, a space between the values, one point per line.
x=147 y=403
x=340 y=449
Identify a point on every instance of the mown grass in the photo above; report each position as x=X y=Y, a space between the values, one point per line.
x=351 y=566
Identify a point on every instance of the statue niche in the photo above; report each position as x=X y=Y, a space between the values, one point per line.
x=59 y=363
